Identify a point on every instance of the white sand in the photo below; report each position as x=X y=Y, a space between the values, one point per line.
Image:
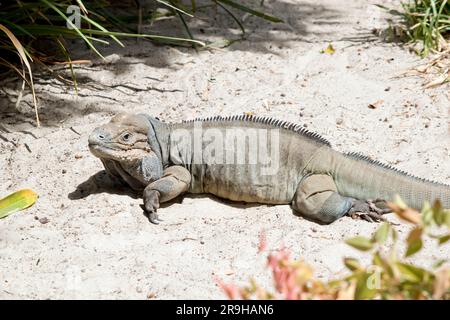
x=102 y=246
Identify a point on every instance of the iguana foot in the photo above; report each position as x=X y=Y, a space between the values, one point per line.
x=151 y=204
x=368 y=210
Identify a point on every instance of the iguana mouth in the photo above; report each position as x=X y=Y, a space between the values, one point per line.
x=104 y=152
x=100 y=146
x=98 y=149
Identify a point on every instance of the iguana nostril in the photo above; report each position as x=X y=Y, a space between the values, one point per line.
x=98 y=136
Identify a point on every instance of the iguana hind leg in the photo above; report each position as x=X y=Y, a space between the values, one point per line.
x=175 y=181
x=317 y=199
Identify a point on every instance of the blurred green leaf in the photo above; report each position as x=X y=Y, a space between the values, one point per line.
x=363 y=291
x=444 y=239
x=439 y=263
x=414 y=241
x=360 y=243
x=382 y=233
x=399 y=201
x=427 y=214
x=394 y=235
x=352 y=264
x=414 y=247
x=411 y=273
x=439 y=214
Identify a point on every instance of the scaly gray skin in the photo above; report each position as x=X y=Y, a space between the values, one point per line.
x=166 y=160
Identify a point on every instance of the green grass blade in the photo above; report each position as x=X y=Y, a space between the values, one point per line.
x=23 y=54
x=101 y=28
x=185 y=25
x=251 y=11
x=81 y=5
x=441 y=9
x=113 y=19
x=13 y=26
x=174 y=8
x=97 y=40
x=72 y=72
x=433 y=7
x=89 y=43
x=232 y=16
x=55 y=30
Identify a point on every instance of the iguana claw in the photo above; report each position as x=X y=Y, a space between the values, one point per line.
x=153 y=218
x=151 y=204
x=368 y=210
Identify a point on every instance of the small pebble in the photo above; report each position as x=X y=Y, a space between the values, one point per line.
x=44 y=220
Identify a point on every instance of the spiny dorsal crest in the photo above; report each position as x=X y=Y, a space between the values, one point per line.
x=359 y=156
x=269 y=121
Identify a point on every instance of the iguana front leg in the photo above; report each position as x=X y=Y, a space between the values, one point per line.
x=174 y=181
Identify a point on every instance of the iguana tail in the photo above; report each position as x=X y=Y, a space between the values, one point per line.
x=362 y=178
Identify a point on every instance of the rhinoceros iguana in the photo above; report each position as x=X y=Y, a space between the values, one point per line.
x=252 y=159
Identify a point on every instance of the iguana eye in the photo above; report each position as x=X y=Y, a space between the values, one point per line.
x=126 y=136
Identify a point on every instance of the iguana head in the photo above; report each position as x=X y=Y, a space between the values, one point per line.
x=124 y=138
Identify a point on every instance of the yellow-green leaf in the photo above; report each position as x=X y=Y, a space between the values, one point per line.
x=16 y=201
x=360 y=243
x=411 y=273
x=439 y=263
x=329 y=50
x=414 y=247
x=427 y=214
x=439 y=214
x=447 y=219
x=364 y=288
x=381 y=234
x=414 y=241
x=379 y=261
x=352 y=264
x=444 y=239
x=399 y=201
